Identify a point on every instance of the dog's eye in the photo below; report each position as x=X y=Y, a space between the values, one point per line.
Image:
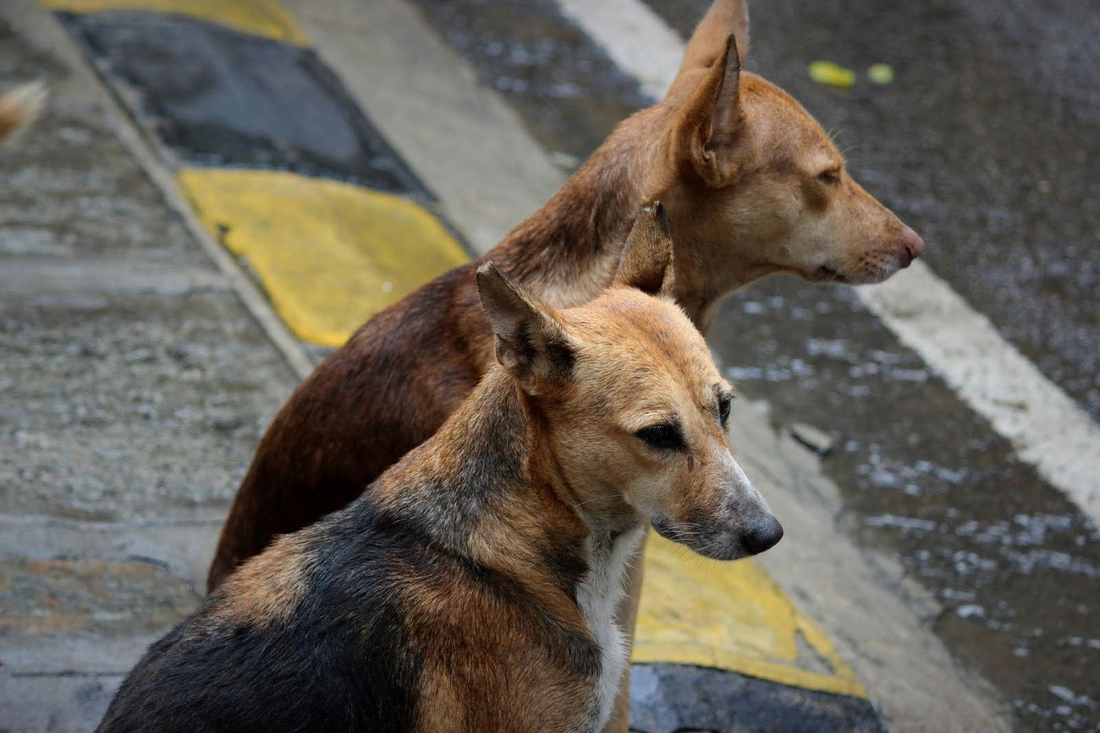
x=724 y=410
x=830 y=176
x=663 y=436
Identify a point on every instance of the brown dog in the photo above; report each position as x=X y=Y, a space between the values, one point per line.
x=19 y=107
x=474 y=586
x=753 y=187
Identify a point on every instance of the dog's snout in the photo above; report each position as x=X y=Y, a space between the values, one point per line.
x=764 y=536
x=912 y=245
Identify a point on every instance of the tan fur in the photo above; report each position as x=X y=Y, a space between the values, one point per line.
x=19 y=107
x=458 y=682
x=723 y=18
x=637 y=360
x=267 y=589
x=659 y=370
x=673 y=375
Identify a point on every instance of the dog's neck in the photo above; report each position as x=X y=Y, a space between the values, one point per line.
x=487 y=489
x=487 y=486
x=568 y=250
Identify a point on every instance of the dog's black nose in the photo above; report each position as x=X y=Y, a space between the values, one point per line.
x=764 y=536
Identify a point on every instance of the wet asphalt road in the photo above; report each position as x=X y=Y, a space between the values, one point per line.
x=987 y=143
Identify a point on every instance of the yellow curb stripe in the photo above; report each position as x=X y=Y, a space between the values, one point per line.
x=329 y=254
x=732 y=616
x=265 y=18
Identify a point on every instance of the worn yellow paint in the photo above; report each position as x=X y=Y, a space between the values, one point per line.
x=329 y=254
x=732 y=616
x=265 y=18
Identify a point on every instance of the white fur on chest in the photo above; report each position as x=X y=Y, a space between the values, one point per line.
x=599 y=596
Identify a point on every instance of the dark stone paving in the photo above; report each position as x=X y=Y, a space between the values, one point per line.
x=219 y=97
x=668 y=698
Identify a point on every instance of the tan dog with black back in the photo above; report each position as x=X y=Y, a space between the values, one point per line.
x=474 y=586
x=754 y=187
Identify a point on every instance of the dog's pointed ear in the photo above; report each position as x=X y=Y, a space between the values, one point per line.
x=646 y=261
x=710 y=120
x=531 y=342
x=707 y=43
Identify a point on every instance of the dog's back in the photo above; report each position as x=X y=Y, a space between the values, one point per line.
x=19 y=107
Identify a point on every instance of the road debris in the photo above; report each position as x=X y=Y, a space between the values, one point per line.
x=881 y=73
x=834 y=75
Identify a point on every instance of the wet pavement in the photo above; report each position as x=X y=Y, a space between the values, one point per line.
x=987 y=145
x=1014 y=563
x=672 y=697
x=569 y=93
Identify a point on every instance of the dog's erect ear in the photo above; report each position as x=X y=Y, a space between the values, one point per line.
x=531 y=343
x=710 y=120
x=707 y=43
x=646 y=262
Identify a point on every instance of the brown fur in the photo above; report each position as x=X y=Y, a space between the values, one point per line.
x=19 y=107
x=268 y=588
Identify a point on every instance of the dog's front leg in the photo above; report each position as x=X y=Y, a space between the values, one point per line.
x=626 y=616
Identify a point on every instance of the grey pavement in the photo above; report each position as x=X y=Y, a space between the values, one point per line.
x=134 y=385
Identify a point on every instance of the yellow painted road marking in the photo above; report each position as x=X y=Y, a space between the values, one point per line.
x=732 y=616
x=329 y=254
x=264 y=18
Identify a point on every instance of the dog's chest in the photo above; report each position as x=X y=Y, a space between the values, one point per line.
x=599 y=596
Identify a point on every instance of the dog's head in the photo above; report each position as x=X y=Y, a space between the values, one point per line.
x=747 y=164
x=630 y=404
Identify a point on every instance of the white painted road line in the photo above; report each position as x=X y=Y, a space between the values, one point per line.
x=637 y=39
x=1046 y=427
